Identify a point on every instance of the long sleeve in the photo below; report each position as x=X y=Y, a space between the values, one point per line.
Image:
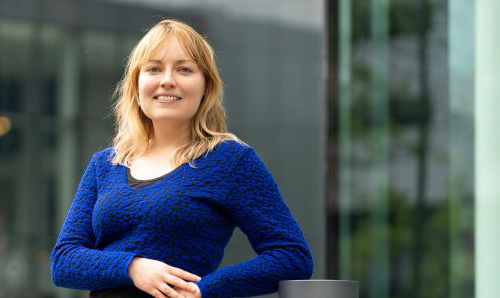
x=75 y=263
x=254 y=203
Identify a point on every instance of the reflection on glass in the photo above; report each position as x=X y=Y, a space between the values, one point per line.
x=405 y=197
x=57 y=74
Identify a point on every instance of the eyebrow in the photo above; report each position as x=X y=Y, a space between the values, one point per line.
x=176 y=62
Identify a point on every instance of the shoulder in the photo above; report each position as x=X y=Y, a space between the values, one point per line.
x=237 y=155
x=225 y=154
x=103 y=156
x=231 y=147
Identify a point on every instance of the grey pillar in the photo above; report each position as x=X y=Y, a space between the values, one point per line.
x=318 y=289
x=67 y=161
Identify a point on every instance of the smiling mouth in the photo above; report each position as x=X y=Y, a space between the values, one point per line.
x=163 y=98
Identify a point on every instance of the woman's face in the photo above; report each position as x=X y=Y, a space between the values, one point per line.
x=170 y=85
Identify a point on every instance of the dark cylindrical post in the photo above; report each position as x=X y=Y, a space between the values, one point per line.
x=318 y=289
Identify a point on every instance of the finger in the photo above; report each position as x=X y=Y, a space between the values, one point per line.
x=179 y=283
x=157 y=294
x=183 y=274
x=183 y=293
x=168 y=291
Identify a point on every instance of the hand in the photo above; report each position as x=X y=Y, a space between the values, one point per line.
x=187 y=294
x=159 y=279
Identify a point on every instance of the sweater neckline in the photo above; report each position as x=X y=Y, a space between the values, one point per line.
x=132 y=178
x=125 y=171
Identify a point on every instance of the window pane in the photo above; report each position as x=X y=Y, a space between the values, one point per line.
x=403 y=208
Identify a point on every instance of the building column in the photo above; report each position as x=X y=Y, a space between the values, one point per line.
x=487 y=151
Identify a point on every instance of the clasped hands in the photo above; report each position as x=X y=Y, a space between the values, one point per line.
x=163 y=281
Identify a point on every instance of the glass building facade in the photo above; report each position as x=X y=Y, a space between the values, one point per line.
x=59 y=64
x=411 y=146
x=376 y=118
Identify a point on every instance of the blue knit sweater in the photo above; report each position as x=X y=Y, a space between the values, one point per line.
x=184 y=220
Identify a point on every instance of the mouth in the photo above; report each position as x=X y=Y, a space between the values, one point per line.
x=164 y=98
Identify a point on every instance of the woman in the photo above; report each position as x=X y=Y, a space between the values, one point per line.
x=153 y=213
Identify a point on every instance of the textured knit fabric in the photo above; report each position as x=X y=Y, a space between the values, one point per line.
x=184 y=220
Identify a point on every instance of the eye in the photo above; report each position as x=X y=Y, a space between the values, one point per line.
x=153 y=69
x=185 y=69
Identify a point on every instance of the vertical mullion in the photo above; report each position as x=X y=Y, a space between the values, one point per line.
x=332 y=137
x=487 y=144
x=379 y=139
x=461 y=148
x=345 y=138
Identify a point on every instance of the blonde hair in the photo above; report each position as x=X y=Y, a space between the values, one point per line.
x=134 y=130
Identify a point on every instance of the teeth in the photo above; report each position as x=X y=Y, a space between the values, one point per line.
x=167 y=98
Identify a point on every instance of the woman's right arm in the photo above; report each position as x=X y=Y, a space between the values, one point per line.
x=75 y=263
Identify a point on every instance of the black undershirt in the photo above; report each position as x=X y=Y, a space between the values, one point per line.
x=136 y=183
x=122 y=292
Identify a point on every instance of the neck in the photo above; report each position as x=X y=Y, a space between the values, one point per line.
x=168 y=137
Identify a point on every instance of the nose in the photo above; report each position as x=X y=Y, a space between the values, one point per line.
x=167 y=79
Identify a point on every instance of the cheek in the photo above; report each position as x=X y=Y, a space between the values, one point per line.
x=198 y=87
x=145 y=84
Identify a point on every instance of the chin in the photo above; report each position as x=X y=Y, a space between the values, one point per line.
x=169 y=118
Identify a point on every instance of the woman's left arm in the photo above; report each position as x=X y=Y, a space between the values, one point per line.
x=255 y=204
